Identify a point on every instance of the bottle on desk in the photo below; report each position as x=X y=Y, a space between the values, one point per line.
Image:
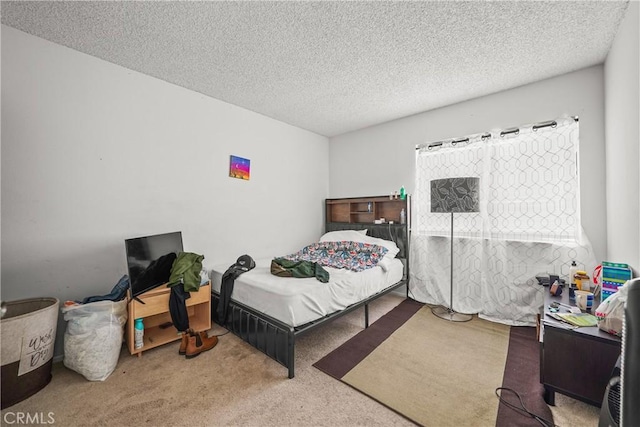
x=573 y=269
x=139 y=333
x=572 y=282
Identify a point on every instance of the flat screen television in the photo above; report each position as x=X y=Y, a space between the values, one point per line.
x=149 y=260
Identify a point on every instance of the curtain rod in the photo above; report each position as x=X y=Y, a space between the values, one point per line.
x=487 y=135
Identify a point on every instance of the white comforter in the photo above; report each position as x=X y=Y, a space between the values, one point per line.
x=298 y=301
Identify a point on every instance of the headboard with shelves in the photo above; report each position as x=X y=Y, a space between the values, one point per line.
x=359 y=213
x=365 y=210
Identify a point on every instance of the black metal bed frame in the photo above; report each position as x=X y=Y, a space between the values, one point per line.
x=276 y=339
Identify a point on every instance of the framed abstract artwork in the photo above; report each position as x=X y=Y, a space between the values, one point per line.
x=239 y=167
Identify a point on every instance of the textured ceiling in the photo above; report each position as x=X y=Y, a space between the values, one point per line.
x=333 y=67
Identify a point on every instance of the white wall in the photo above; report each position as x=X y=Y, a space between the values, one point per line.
x=622 y=107
x=381 y=158
x=93 y=153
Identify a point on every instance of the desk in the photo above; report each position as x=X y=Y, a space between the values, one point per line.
x=575 y=362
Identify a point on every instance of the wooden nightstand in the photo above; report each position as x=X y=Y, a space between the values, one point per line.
x=155 y=312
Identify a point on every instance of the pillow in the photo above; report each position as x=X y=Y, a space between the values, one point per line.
x=357 y=236
x=343 y=235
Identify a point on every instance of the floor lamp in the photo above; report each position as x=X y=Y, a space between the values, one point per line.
x=454 y=195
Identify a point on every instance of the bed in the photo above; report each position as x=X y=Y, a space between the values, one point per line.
x=270 y=312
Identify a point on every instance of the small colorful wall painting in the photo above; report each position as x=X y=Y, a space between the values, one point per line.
x=239 y=167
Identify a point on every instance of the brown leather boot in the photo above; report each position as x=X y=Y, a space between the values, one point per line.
x=199 y=342
x=207 y=341
x=183 y=344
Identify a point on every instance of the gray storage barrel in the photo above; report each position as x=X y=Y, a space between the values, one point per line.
x=28 y=334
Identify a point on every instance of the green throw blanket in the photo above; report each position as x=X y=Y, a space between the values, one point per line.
x=286 y=268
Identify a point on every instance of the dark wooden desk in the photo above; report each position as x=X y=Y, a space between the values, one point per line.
x=575 y=362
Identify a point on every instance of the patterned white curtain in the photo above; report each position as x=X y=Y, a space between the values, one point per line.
x=528 y=224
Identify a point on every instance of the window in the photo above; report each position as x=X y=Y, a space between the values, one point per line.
x=529 y=185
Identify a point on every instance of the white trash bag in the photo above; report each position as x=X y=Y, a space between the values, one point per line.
x=610 y=312
x=93 y=338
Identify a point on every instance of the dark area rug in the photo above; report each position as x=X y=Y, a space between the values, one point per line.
x=519 y=360
x=347 y=356
x=522 y=374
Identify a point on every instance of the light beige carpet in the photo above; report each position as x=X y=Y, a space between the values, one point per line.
x=231 y=385
x=427 y=361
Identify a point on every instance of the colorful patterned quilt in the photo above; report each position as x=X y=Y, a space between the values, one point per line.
x=354 y=256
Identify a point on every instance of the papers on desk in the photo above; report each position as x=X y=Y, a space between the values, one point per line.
x=558 y=323
x=576 y=319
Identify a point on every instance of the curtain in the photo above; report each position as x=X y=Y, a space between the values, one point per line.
x=528 y=223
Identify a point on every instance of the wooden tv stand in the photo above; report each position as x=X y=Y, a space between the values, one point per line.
x=155 y=312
